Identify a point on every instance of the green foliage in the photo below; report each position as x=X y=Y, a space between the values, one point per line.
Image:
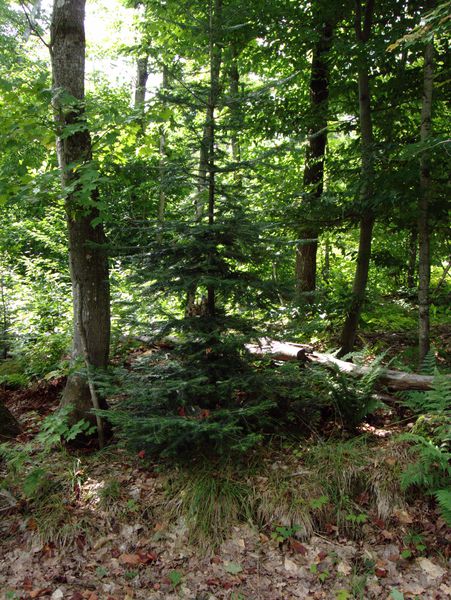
x=175 y=577
x=351 y=399
x=56 y=429
x=282 y=534
x=431 y=440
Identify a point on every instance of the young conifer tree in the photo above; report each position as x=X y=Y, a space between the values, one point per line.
x=209 y=395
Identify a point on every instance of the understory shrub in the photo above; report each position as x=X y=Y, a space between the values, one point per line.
x=216 y=399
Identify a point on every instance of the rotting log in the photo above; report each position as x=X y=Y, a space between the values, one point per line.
x=395 y=380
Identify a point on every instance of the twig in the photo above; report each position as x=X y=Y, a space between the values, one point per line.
x=33 y=28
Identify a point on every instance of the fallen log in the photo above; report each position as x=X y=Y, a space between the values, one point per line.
x=395 y=380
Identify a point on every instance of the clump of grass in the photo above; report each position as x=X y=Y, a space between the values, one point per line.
x=318 y=485
x=211 y=499
x=325 y=486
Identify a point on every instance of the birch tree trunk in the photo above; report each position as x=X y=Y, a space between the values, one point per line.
x=87 y=253
x=424 y=258
x=142 y=74
x=306 y=251
x=363 y=33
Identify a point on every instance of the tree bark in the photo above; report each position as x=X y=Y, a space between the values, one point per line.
x=9 y=426
x=313 y=180
x=424 y=258
x=87 y=252
x=142 y=75
x=367 y=181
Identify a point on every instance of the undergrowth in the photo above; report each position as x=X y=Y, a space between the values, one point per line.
x=301 y=491
x=430 y=443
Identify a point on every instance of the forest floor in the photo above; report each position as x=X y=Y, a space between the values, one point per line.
x=116 y=535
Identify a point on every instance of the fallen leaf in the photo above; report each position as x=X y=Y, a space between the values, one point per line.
x=433 y=570
x=298 y=547
x=322 y=555
x=403 y=516
x=27 y=583
x=31 y=524
x=344 y=568
x=380 y=572
x=130 y=559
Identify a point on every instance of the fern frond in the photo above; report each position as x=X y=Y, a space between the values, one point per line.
x=444 y=501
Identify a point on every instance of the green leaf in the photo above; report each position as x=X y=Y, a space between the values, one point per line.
x=396 y=595
x=175 y=577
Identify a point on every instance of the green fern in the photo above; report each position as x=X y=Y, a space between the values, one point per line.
x=429 y=364
x=444 y=501
x=353 y=399
x=431 y=437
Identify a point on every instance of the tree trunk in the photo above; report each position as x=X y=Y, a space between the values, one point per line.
x=87 y=253
x=142 y=75
x=236 y=114
x=163 y=156
x=314 y=164
x=412 y=262
x=367 y=182
x=206 y=178
x=424 y=258
x=9 y=427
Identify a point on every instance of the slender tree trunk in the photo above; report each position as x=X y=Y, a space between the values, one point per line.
x=367 y=181
x=306 y=251
x=215 y=69
x=424 y=258
x=87 y=253
x=142 y=75
x=326 y=267
x=412 y=261
x=162 y=152
x=4 y=319
x=206 y=188
x=236 y=113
